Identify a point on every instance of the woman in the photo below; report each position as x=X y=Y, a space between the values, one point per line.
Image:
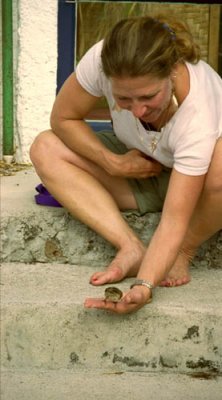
x=165 y=153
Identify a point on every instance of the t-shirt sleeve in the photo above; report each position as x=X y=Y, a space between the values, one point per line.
x=193 y=143
x=198 y=125
x=89 y=71
x=195 y=158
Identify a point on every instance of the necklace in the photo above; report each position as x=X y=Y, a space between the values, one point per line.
x=156 y=133
x=154 y=138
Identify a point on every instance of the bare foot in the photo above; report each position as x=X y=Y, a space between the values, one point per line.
x=179 y=273
x=125 y=264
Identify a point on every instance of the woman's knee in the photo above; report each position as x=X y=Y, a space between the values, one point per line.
x=213 y=185
x=213 y=182
x=47 y=150
x=40 y=147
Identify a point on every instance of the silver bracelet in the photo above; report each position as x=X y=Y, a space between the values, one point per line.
x=142 y=282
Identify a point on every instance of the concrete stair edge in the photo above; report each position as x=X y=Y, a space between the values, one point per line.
x=66 y=385
x=45 y=325
x=32 y=233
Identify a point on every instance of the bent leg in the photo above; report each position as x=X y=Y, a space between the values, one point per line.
x=206 y=221
x=92 y=196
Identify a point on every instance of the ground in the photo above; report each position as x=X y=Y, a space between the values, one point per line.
x=11 y=169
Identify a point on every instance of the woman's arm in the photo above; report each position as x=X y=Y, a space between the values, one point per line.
x=71 y=106
x=181 y=200
x=182 y=197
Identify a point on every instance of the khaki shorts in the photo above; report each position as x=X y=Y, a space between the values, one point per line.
x=149 y=193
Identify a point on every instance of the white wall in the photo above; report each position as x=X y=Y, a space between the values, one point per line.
x=0 y=81
x=35 y=80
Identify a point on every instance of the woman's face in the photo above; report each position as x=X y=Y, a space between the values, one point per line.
x=146 y=97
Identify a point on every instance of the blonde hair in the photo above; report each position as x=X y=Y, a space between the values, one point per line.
x=139 y=46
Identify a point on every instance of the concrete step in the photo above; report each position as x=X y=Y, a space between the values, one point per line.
x=45 y=326
x=32 y=233
x=69 y=385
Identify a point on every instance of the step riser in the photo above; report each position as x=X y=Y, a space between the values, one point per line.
x=49 y=235
x=60 y=336
x=53 y=348
x=54 y=236
x=94 y=385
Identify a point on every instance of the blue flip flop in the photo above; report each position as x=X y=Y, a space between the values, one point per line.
x=44 y=198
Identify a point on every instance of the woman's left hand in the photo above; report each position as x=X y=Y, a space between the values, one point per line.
x=131 y=301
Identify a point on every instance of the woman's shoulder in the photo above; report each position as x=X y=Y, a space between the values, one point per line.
x=91 y=57
x=96 y=49
x=203 y=71
x=89 y=70
x=205 y=86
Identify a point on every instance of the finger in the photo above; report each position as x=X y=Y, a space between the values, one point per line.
x=138 y=295
x=130 y=302
x=100 y=303
x=133 y=297
x=117 y=308
x=136 y=152
x=94 y=303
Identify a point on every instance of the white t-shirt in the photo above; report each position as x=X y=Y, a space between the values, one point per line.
x=187 y=141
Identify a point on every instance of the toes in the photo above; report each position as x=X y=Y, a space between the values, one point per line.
x=167 y=282
x=163 y=283
x=96 y=277
x=182 y=281
x=100 y=278
x=171 y=282
x=108 y=276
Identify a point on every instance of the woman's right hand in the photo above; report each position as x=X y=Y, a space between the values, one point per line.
x=133 y=164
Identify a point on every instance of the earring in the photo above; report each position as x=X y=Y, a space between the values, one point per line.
x=174 y=75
